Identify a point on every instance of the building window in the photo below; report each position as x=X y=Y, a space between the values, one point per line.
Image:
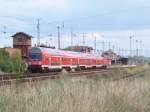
x=19 y=39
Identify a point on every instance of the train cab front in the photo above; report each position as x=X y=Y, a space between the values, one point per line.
x=35 y=60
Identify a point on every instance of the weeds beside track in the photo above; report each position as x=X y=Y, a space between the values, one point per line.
x=134 y=75
x=9 y=79
x=31 y=77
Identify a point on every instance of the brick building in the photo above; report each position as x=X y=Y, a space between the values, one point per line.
x=22 y=41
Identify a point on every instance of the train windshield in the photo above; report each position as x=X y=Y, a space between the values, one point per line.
x=35 y=56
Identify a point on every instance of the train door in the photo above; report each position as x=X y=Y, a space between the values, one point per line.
x=55 y=62
x=47 y=60
x=74 y=62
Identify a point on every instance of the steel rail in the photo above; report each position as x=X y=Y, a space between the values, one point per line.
x=37 y=77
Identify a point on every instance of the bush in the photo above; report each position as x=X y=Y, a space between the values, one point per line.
x=10 y=65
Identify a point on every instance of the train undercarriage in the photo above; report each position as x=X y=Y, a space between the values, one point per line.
x=40 y=68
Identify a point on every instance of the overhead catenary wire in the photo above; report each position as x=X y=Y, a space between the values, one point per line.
x=67 y=22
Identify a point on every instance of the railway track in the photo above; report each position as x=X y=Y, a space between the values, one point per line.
x=132 y=76
x=10 y=79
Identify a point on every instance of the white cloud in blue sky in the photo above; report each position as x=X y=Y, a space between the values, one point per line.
x=108 y=17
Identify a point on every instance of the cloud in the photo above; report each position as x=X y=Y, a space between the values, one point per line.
x=108 y=20
x=36 y=3
x=32 y=8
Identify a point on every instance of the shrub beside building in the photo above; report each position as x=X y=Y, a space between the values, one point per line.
x=11 y=61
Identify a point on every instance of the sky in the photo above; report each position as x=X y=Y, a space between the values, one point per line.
x=106 y=20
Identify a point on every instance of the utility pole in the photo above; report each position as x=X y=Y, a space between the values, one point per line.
x=130 y=48
x=113 y=48
x=71 y=37
x=119 y=51
x=109 y=45
x=103 y=44
x=141 y=48
x=95 y=43
x=122 y=52
x=38 y=32
x=137 y=51
x=126 y=52
x=50 y=39
x=58 y=29
x=83 y=39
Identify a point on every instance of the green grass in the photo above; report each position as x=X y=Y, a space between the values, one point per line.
x=10 y=65
x=77 y=95
x=120 y=72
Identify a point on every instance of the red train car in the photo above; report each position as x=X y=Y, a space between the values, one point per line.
x=51 y=59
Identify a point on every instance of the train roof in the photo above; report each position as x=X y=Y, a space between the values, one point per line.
x=56 y=52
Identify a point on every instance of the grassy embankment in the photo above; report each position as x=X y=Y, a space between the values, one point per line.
x=119 y=72
x=11 y=64
x=116 y=73
x=78 y=95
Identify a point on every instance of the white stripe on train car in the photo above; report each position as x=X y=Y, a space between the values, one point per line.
x=99 y=65
x=74 y=66
x=88 y=66
x=55 y=67
x=44 y=66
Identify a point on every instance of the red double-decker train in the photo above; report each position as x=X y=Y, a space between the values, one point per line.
x=47 y=59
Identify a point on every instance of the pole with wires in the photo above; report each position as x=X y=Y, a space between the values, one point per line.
x=141 y=49
x=95 y=43
x=103 y=45
x=109 y=45
x=130 y=48
x=83 y=39
x=71 y=37
x=38 y=32
x=137 y=51
x=58 y=29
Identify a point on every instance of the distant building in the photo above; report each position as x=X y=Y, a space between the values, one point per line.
x=22 y=41
x=124 y=61
x=84 y=49
x=113 y=57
